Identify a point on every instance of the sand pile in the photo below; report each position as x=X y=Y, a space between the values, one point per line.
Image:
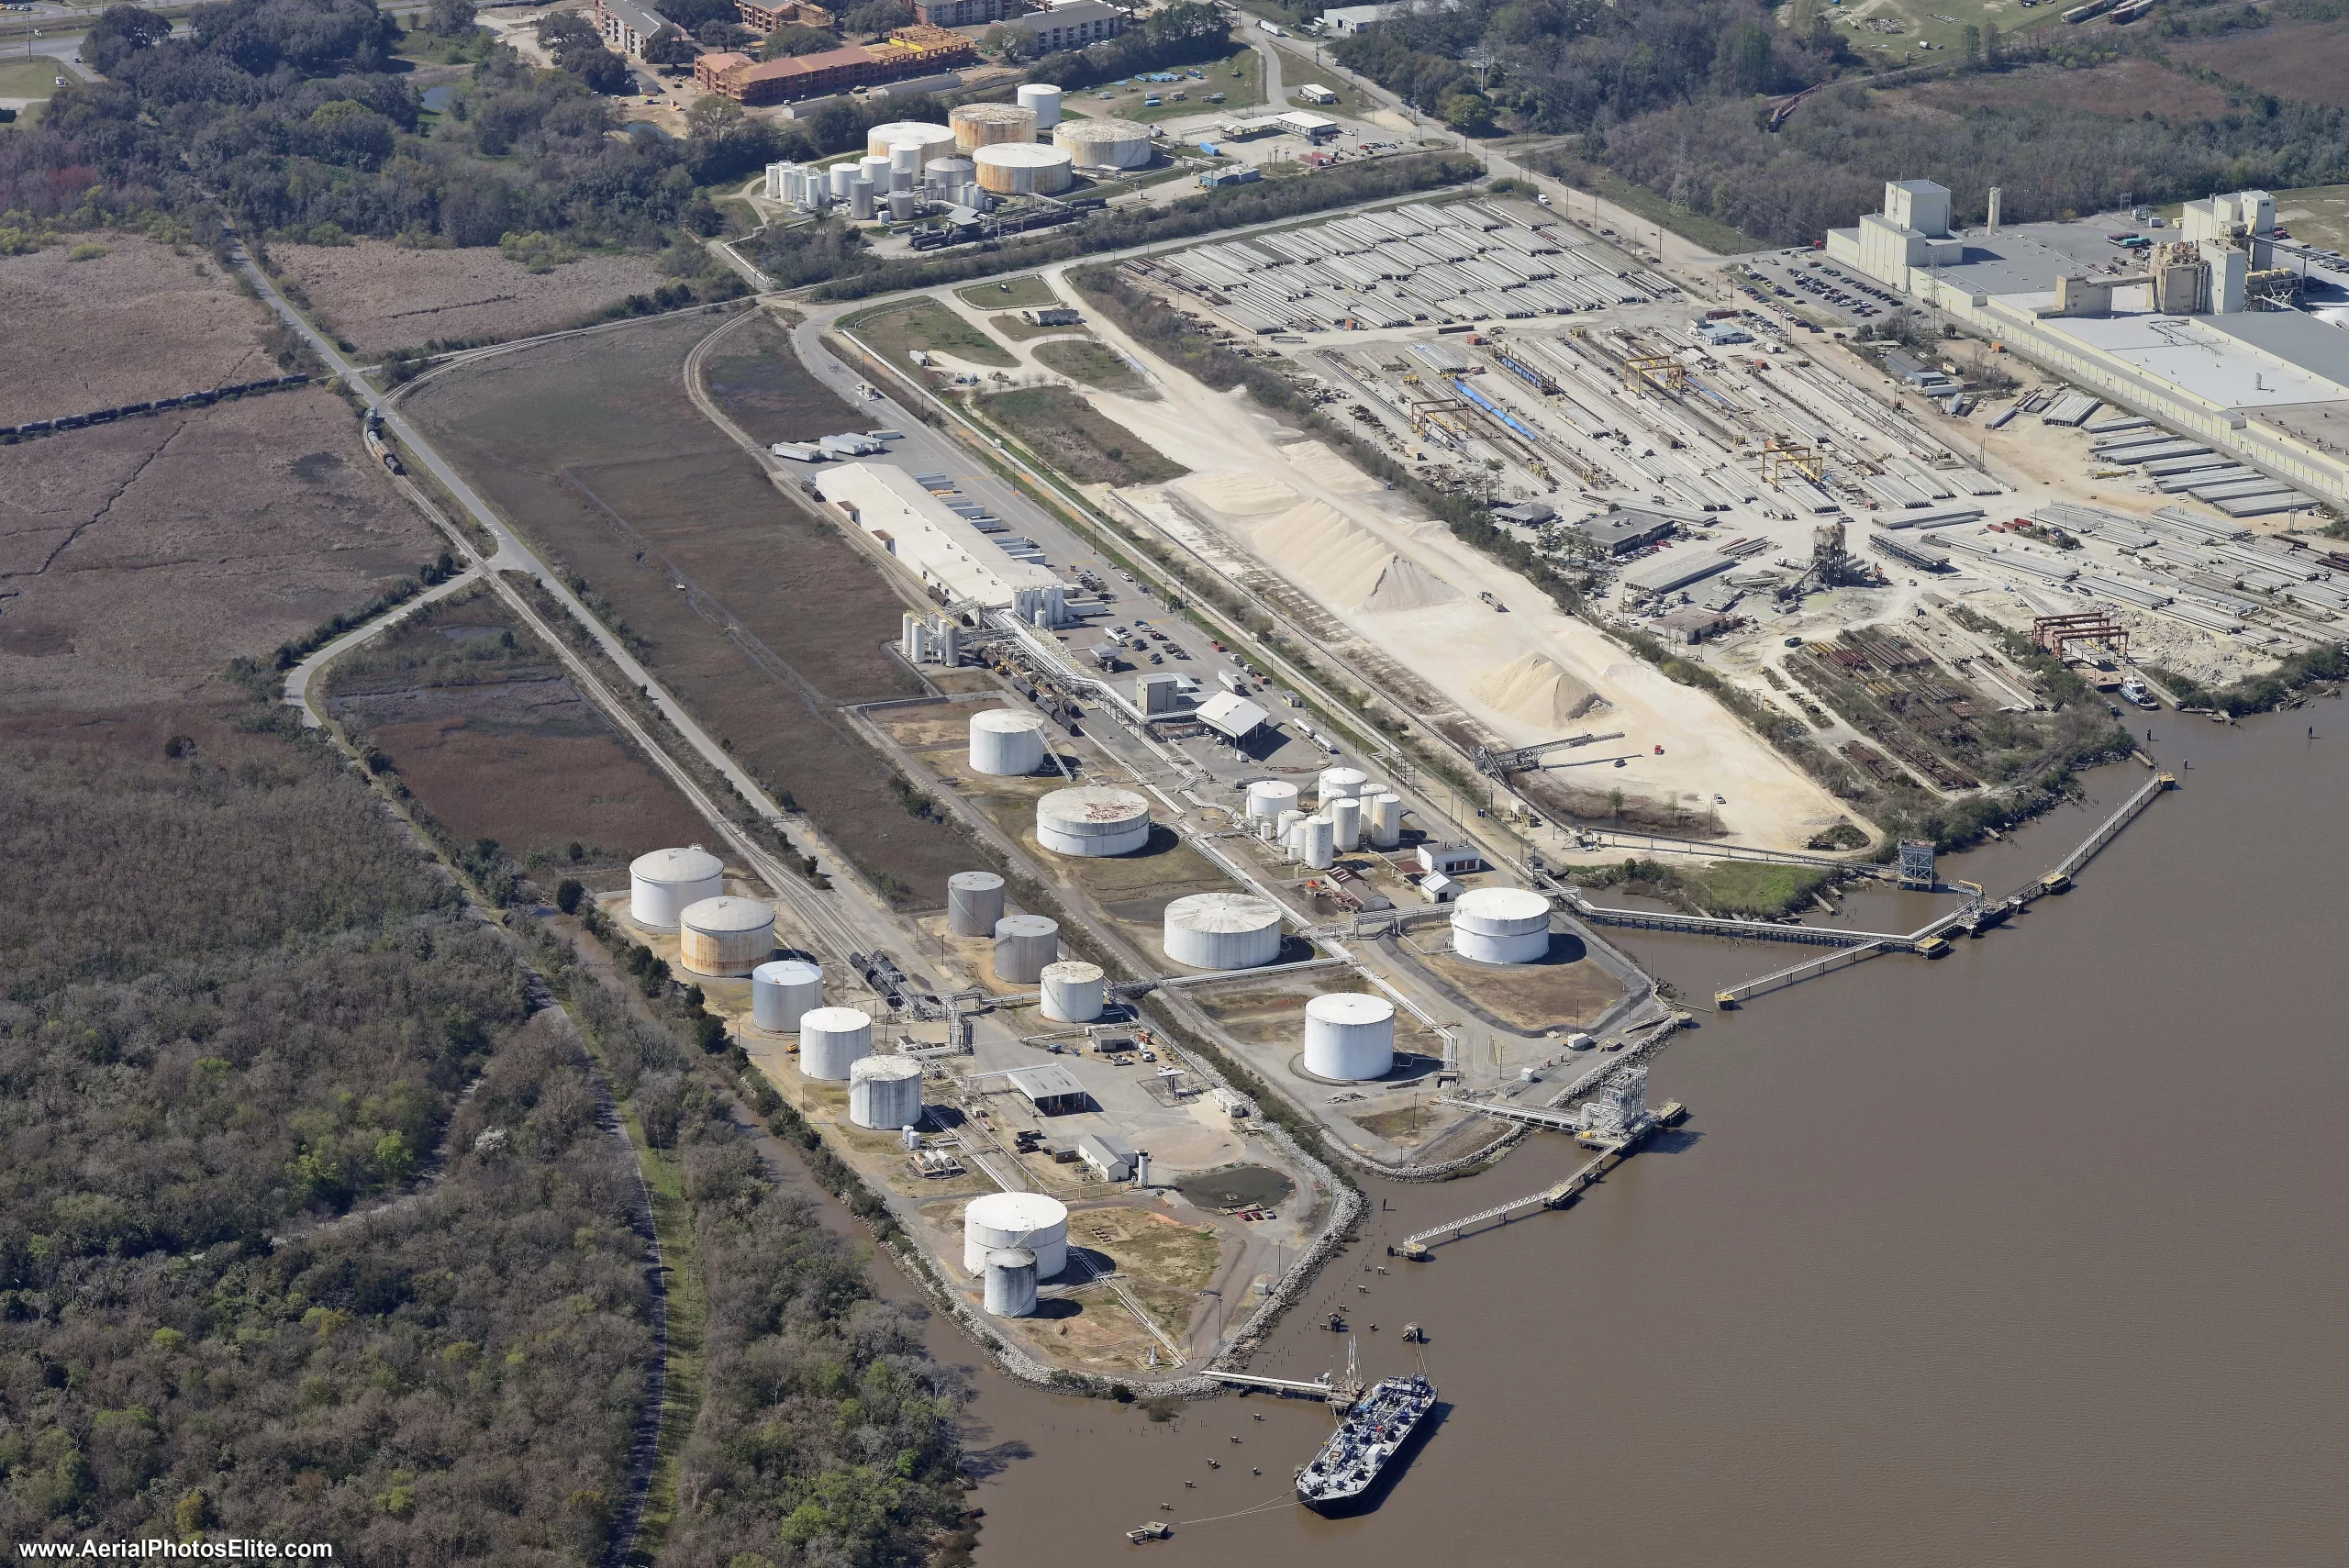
x=1332 y=473
x=1407 y=586
x=1251 y=493
x=1535 y=690
x=1342 y=561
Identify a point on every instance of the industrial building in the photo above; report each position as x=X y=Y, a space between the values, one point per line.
x=910 y=51
x=2173 y=331
x=940 y=546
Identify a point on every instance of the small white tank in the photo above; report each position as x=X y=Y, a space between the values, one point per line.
x=1345 y=825
x=840 y=176
x=1010 y=1285
x=1501 y=925
x=1027 y=1220
x=1349 y=1036
x=662 y=883
x=1222 y=930
x=875 y=167
x=726 y=935
x=1385 y=823
x=1317 y=842
x=1024 y=944
x=1338 y=784
x=830 y=1041
x=1267 y=798
x=1043 y=100
x=1006 y=742
x=783 y=991
x=1093 y=820
x=1074 y=991
x=884 y=1092
x=974 y=903
x=904 y=158
x=1284 y=826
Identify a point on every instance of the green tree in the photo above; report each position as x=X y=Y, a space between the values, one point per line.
x=795 y=38
x=449 y=18
x=1470 y=114
x=671 y=46
x=1970 y=44
x=121 y=32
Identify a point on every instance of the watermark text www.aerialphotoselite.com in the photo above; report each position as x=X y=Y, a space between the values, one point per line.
x=226 y=1549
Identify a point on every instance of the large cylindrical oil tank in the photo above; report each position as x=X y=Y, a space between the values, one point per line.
x=1006 y=742
x=1267 y=798
x=986 y=124
x=1385 y=823
x=726 y=936
x=904 y=158
x=1093 y=820
x=1023 y=169
x=831 y=1040
x=784 y=991
x=974 y=903
x=876 y=168
x=662 y=883
x=884 y=1092
x=1337 y=784
x=931 y=140
x=1222 y=930
x=1074 y=991
x=1316 y=841
x=1043 y=100
x=1501 y=925
x=1345 y=825
x=1104 y=144
x=1003 y=1220
x=1349 y=1036
x=840 y=176
x=1010 y=1287
x=1024 y=945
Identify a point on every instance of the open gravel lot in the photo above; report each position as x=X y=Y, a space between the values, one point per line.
x=382 y=297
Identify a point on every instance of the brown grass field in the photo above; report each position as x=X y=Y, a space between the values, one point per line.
x=2130 y=86
x=593 y=450
x=1069 y=434
x=755 y=378
x=2308 y=61
x=137 y=558
x=382 y=297
x=134 y=325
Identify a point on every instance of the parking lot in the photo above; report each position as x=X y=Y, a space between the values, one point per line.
x=1806 y=280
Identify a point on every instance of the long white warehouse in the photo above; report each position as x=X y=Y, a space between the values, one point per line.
x=938 y=545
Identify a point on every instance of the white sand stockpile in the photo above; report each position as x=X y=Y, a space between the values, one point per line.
x=1326 y=468
x=1250 y=492
x=1407 y=586
x=1534 y=690
x=1344 y=562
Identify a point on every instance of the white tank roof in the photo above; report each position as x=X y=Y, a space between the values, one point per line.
x=1349 y=1007
x=1007 y=719
x=677 y=865
x=1018 y=155
x=892 y=1068
x=788 y=972
x=1506 y=903
x=1016 y=1211
x=833 y=1020
x=1092 y=803
x=729 y=913
x=1224 y=912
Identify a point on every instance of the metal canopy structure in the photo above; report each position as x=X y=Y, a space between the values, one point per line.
x=2056 y=634
x=1051 y=1088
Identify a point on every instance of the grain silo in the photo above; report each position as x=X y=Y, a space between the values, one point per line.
x=884 y=1092
x=974 y=903
x=1222 y=930
x=1501 y=925
x=1010 y=1283
x=1349 y=1036
x=1384 y=823
x=990 y=125
x=662 y=883
x=1267 y=798
x=1022 y=169
x=1024 y=944
x=1043 y=100
x=1093 y=820
x=935 y=140
x=1317 y=842
x=1337 y=784
x=1006 y=742
x=1000 y=1221
x=1345 y=825
x=783 y=991
x=831 y=1040
x=1074 y=991
x=1104 y=144
x=726 y=935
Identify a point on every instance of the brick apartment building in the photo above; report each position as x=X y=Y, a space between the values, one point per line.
x=764 y=19
x=915 y=51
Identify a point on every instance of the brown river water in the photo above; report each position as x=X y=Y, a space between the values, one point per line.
x=2037 y=1255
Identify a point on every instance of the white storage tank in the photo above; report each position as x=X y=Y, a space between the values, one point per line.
x=840 y=176
x=1317 y=842
x=859 y=199
x=1284 y=826
x=1000 y=1221
x=945 y=177
x=662 y=883
x=1222 y=930
x=1267 y=798
x=974 y=903
x=831 y=1040
x=986 y=124
x=1023 y=169
x=784 y=991
x=1043 y=100
x=1501 y=925
x=1024 y=945
x=875 y=168
x=905 y=165
x=884 y=1092
x=726 y=935
x=1384 y=823
x=1104 y=144
x=1349 y=1036
x=1074 y=991
x=1345 y=825
x=1093 y=820
x=1006 y=742
x=1338 y=784
x=933 y=140
x=1011 y=1285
